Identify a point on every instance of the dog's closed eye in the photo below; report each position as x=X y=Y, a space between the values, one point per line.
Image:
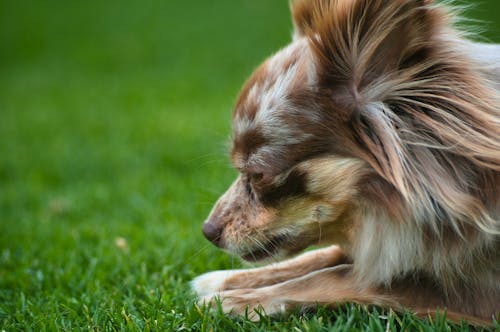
x=256 y=177
x=253 y=181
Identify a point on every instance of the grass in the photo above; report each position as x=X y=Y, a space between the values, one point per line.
x=114 y=119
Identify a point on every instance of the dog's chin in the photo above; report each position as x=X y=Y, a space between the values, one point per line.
x=265 y=256
x=273 y=251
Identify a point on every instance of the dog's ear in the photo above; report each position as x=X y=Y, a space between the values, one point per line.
x=365 y=52
x=357 y=42
x=306 y=14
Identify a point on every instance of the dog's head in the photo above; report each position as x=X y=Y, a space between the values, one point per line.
x=320 y=128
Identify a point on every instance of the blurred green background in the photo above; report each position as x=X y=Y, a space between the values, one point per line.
x=114 y=117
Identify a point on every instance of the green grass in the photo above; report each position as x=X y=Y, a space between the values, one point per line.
x=114 y=117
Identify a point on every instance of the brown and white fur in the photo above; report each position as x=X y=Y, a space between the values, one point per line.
x=376 y=132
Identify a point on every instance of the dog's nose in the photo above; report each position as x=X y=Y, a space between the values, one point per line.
x=213 y=233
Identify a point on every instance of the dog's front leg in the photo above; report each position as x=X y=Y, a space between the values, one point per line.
x=327 y=286
x=336 y=285
x=217 y=281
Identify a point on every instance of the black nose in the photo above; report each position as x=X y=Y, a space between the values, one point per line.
x=213 y=233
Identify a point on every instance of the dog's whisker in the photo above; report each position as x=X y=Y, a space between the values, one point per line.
x=274 y=252
x=261 y=247
x=320 y=231
x=198 y=252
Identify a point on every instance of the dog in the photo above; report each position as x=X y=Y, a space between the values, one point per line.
x=375 y=134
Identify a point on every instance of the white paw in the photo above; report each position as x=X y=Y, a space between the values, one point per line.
x=211 y=282
x=251 y=301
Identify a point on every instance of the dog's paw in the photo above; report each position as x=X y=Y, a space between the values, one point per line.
x=251 y=302
x=211 y=282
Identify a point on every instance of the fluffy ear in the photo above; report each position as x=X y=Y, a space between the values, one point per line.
x=364 y=50
x=359 y=41
x=305 y=14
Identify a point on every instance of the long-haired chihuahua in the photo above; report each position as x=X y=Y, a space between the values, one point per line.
x=375 y=132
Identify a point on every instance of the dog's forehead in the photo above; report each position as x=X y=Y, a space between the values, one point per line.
x=265 y=117
x=267 y=91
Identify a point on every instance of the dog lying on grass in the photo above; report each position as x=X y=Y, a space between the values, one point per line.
x=376 y=132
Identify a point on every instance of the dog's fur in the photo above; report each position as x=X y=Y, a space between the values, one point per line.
x=376 y=131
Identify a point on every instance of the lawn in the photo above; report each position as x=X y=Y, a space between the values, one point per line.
x=114 y=120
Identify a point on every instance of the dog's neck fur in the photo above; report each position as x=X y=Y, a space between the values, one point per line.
x=386 y=261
